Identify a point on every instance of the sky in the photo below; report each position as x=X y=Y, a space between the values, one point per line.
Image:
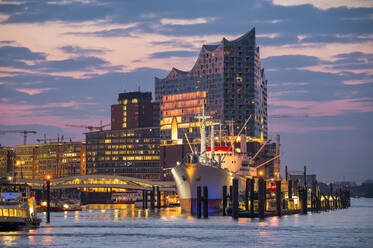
x=64 y=62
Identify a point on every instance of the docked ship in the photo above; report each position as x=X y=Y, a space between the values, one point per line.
x=17 y=207
x=213 y=167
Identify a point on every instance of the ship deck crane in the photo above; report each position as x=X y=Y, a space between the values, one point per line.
x=25 y=132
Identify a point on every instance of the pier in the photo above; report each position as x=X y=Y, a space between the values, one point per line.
x=266 y=198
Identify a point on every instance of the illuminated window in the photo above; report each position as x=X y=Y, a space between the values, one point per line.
x=125 y=101
x=134 y=100
x=107 y=141
x=226 y=52
x=239 y=79
x=124 y=125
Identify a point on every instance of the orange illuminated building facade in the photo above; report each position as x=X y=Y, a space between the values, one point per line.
x=178 y=113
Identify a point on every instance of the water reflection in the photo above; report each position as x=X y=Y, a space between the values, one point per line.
x=127 y=226
x=10 y=240
x=31 y=236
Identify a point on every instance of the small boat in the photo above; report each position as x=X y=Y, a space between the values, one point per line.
x=60 y=206
x=17 y=207
x=124 y=197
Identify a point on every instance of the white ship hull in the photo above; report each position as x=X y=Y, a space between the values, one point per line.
x=188 y=176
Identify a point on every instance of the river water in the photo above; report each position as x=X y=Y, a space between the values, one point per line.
x=126 y=226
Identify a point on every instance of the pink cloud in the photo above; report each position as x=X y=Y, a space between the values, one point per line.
x=34 y=91
x=13 y=114
x=281 y=93
x=322 y=108
x=356 y=82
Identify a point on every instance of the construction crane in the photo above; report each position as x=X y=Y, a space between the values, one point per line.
x=90 y=128
x=289 y=116
x=58 y=139
x=25 y=132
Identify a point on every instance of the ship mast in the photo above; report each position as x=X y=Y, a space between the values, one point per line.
x=212 y=141
x=203 y=119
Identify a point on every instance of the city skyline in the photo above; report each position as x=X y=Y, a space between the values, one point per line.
x=64 y=62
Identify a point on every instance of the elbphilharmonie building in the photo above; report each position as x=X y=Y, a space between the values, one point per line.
x=228 y=78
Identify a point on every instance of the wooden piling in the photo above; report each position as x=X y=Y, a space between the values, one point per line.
x=158 y=197
x=224 y=200
x=252 y=181
x=304 y=200
x=286 y=173
x=152 y=196
x=290 y=189
x=247 y=184
x=278 y=198
x=261 y=197
x=205 y=202
x=48 y=201
x=235 y=199
x=199 y=201
x=146 y=199
x=143 y=199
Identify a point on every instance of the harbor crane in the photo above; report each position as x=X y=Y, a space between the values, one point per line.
x=25 y=132
x=90 y=128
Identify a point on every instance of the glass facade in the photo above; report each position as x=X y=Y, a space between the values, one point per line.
x=230 y=73
x=57 y=159
x=132 y=152
x=7 y=156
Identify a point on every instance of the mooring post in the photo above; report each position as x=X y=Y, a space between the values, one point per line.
x=261 y=197
x=48 y=200
x=252 y=181
x=290 y=189
x=205 y=202
x=146 y=199
x=247 y=184
x=143 y=199
x=313 y=196
x=278 y=198
x=304 y=202
x=230 y=194
x=158 y=197
x=224 y=199
x=235 y=199
x=152 y=198
x=286 y=172
x=318 y=198
x=331 y=195
x=199 y=201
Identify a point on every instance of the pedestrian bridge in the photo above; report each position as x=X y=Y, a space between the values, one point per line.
x=99 y=181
